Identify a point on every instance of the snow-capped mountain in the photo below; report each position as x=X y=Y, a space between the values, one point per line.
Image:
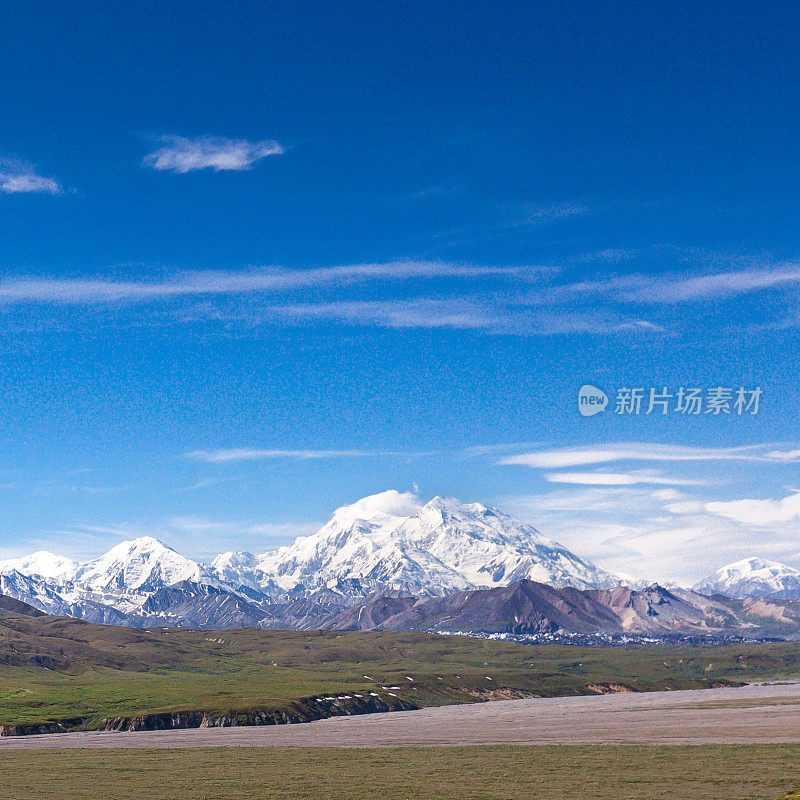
x=103 y=590
x=238 y=570
x=389 y=542
x=392 y=541
x=753 y=577
x=58 y=599
x=142 y=566
x=42 y=564
x=392 y=555
x=34 y=591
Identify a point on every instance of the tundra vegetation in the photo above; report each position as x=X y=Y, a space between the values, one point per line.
x=77 y=675
x=719 y=772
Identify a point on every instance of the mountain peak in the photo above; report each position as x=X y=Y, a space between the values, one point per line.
x=386 y=542
x=753 y=577
x=755 y=564
x=142 y=564
x=243 y=558
x=42 y=564
x=452 y=505
x=392 y=541
x=147 y=543
x=237 y=569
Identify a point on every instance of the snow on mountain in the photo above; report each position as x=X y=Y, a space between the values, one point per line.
x=753 y=577
x=141 y=565
x=388 y=546
x=492 y=549
x=42 y=564
x=393 y=541
x=388 y=542
x=103 y=590
x=64 y=600
x=236 y=569
x=34 y=591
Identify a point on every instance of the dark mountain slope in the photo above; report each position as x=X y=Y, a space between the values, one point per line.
x=13 y=606
x=527 y=607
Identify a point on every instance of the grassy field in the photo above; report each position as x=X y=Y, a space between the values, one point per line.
x=762 y=772
x=55 y=669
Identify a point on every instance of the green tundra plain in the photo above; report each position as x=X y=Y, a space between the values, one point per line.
x=59 y=670
x=722 y=772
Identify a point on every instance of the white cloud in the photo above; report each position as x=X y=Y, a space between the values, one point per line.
x=181 y=155
x=603 y=525
x=635 y=451
x=537 y=215
x=666 y=494
x=678 y=288
x=685 y=507
x=391 y=502
x=18 y=177
x=253 y=454
x=490 y=314
x=97 y=291
x=618 y=479
x=660 y=535
x=784 y=455
x=415 y=313
x=509 y=305
x=759 y=512
x=715 y=286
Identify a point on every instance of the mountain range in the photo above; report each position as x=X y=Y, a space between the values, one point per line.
x=391 y=562
x=529 y=608
x=753 y=577
x=391 y=541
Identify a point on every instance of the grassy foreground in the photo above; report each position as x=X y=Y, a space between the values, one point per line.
x=54 y=669
x=762 y=772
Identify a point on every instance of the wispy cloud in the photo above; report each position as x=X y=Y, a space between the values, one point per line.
x=759 y=512
x=719 y=285
x=530 y=300
x=618 y=479
x=414 y=313
x=209 y=483
x=661 y=534
x=784 y=455
x=19 y=177
x=682 y=288
x=194 y=536
x=645 y=522
x=239 y=454
x=97 y=291
x=489 y=314
x=436 y=190
x=536 y=215
x=181 y=155
x=639 y=451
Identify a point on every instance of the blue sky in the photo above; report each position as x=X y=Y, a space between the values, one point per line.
x=259 y=260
